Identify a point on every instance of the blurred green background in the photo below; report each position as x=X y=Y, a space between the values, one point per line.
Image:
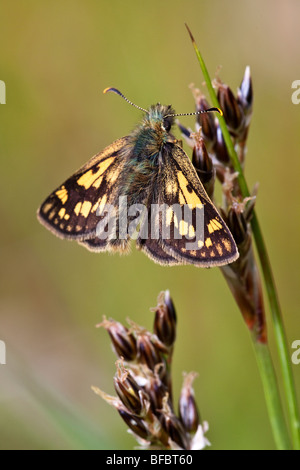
x=56 y=58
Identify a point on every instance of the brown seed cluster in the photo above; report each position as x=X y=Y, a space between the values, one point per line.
x=212 y=161
x=143 y=384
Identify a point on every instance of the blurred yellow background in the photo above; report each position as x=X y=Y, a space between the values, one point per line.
x=55 y=59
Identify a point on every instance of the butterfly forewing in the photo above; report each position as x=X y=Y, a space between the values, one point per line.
x=73 y=210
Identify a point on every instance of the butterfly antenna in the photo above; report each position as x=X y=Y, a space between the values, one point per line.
x=114 y=90
x=198 y=112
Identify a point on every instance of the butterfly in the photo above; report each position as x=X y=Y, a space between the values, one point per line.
x=142 y=187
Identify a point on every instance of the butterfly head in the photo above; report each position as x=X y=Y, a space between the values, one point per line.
x=160 y=115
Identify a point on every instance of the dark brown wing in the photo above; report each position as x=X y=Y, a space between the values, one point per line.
x=199 y=236
x=73 y=210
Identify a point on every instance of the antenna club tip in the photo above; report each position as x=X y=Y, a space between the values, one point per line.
x=218 y=110
x=112 y=89
x=106 y=90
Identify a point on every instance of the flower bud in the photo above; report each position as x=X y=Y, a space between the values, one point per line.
x=128 y=390
x=147 y=352
x=188 y=411
x=201 y=160
x=232 y=110
x=124 y=343
x=165 y=319
x=156 y=391
x=220 y=148
x=237 y=225
x=206 y=121
x=175 y=430
x=245 y=93
x=134 y=423
x=204 y=166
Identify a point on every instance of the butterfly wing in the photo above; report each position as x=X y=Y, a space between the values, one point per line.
x=152 y=247
x=72 y=210
x=199 y=236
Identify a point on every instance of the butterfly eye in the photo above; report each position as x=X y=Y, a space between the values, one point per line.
x=168 y=123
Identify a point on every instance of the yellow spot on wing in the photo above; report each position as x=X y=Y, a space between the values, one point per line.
x=171 y=188
x=191 y=231
x=97 y=183
x=210 y=229
x=181 y=199
x=51 y=215
x=183 y=228
x=95 y=206
x=175 y=221
x=208 y=242
x=103 y=201
x=219 y=249
x=67 y=216
x=47 y=207
x=62 y=194
x=112 y=177
x=227 y=244
x=86 y=208
x=88 y=178
x=214 y=225
x=62 y=212
x=191 y=197
x=169 y=216
x=78 y=208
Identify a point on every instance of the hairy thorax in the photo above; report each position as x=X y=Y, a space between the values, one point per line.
x=149 y=137
x=146 y=142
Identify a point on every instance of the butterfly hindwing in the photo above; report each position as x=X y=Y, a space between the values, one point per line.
x=152 y=247
x=73 y=210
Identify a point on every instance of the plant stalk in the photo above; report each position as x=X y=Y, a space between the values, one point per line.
x=262 y=351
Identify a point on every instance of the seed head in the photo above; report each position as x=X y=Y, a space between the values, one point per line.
x=124 y=343
x=165 y=319
x=188 y=411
